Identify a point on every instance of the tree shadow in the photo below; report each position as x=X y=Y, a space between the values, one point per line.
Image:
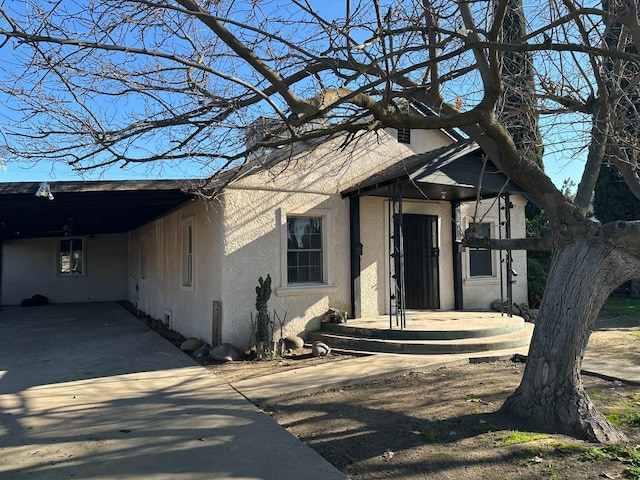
x=90 y=392
x=375 y=433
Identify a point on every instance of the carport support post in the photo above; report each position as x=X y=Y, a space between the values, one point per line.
x=456 y=235
x=216 y=323
x=507 y=218
x=356 y=254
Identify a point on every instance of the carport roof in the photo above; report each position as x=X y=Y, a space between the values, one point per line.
x=86 y=208
x=453 y=172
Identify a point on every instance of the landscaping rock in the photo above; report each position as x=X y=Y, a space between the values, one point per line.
x=320 y=349
x=203 y=351
x=36 y=301
x=501 y=307
x=190 y=344
x=226 y=352
x=334 y=315
x=529 y=314
x=293 y=342
x=498 y=306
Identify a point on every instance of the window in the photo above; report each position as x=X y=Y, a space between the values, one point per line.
x=404 y=135
x=71 y=257
x=480 y=259
x=187 y=253
x=305 y=250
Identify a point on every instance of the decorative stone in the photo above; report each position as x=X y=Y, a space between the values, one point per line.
x=293 y=342
x=226 y=352
x=497 y=306
x=320 y=349
x=36 y=301
x=333 y=315
x=203 y=351
x=501 y=307
x=190 y=344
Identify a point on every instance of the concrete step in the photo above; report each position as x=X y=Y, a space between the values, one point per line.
x=429 y=330
x=374 y=344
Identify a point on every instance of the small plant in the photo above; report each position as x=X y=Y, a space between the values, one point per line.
x=633 y=473
x=263 y=321
x=614 y=418
x=431 y=436
x=281 y=323
x=484 y=428
x=568 y=447
x=515 y=437
x=623 y=453
x=626 y=415
x=593 y=454
x=554 y=473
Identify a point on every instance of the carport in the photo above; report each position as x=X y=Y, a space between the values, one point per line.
x=39 y=220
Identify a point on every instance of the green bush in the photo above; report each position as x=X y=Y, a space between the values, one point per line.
x=536 y=280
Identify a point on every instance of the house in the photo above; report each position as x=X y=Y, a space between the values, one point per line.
x=370 y=228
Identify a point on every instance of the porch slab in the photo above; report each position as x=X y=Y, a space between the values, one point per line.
x=442 y=321
x=427 y=333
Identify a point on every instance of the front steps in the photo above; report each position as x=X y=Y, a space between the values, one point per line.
x=431 y=333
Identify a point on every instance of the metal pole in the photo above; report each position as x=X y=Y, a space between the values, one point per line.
x=507 y=215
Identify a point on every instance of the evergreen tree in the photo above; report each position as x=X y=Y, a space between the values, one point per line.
x=612 y=199
x=517 y=108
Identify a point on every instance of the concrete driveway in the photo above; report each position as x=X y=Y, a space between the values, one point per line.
x=89 y=392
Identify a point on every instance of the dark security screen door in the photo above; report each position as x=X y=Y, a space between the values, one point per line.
x=421 y=253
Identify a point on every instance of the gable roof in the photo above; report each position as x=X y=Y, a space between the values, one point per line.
x=85 y=208
x=452 y=172
x=99 y=207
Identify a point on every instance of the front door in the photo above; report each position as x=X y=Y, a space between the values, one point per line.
x=421 y=252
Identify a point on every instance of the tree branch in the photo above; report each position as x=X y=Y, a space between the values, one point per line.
x=597 y=148
x=541 y=243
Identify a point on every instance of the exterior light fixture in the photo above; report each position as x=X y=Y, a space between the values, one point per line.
x=44 y=191
x=443 y=194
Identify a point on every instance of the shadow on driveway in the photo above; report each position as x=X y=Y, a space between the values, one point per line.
x=88 y=391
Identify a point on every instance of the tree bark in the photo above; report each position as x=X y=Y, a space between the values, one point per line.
x=583 y=273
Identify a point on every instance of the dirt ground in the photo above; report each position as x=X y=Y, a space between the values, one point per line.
x=443 y=424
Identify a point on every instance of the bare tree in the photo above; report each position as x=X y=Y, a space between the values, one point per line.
x=116 y=82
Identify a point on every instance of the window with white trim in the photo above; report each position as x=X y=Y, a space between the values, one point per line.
x=71 y=256
x=481 y=259
x=187 y=252
x=305 y=250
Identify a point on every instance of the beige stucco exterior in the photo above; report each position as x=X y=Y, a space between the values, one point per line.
x=197 y=267
x=29 y=267
x=155 y=269
x=242 y=236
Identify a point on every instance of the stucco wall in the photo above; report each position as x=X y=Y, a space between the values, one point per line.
x=242 y=236
x=255 y=215
x=479 y=292
x=160 y=293
x=375 y=266
x=29 y=267
x=374 y=262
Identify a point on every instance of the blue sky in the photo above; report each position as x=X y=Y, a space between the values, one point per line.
x=559 y=164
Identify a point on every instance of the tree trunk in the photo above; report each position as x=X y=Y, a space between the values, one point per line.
x=583 y=274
